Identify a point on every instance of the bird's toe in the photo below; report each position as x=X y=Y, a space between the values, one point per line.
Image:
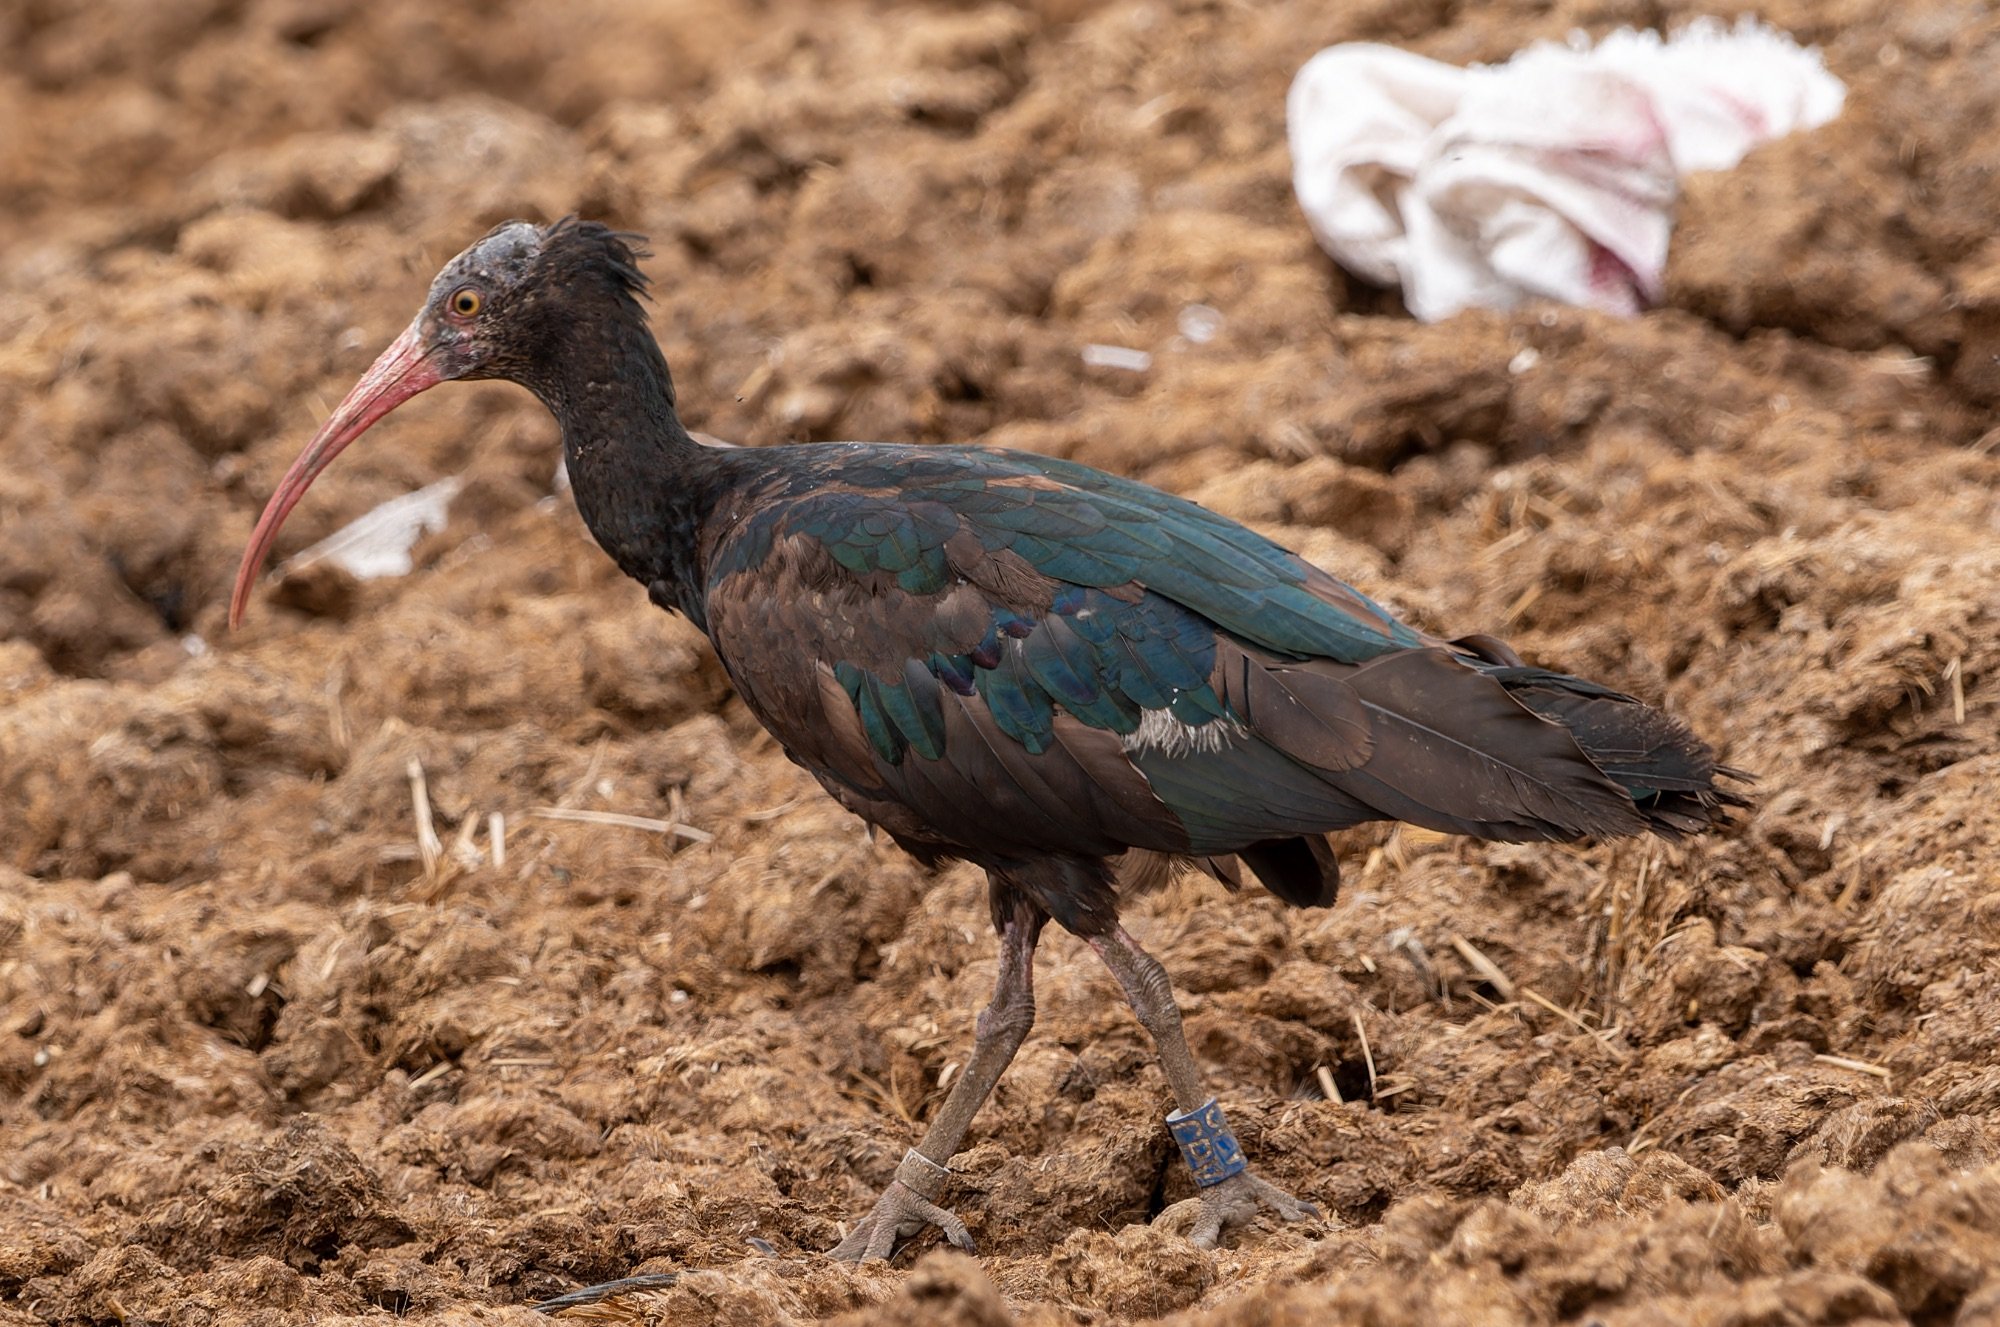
x=1284 y=1204
x=898 y=1214
x=1232 y=1203
x=881 y=1241
x=953 y=1228
x=1208 y=1227
x=854 y=1247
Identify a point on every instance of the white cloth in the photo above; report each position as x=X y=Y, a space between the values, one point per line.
x=1551 y=176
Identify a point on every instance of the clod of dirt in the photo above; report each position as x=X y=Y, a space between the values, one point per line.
x=944 y=1289
x=1140 y=1272
x=1599 y=1185
x=302 y=1197
x=1930 y=1235
x=34 y=1241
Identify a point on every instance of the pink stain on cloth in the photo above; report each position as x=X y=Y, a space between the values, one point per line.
x=1552 y=176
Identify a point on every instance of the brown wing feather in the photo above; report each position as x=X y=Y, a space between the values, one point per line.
x=987 y=795
x=1306 y=710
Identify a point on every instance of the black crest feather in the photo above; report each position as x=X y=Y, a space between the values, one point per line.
x=615 y=253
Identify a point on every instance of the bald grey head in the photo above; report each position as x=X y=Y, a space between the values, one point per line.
x=494 y=308
x=497 y=260
x=475 y=296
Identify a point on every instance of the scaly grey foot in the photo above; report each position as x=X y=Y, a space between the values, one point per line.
x=1232 y=1203
x=898 y=1214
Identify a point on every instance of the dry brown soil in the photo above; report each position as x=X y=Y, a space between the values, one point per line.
x=262 y=1061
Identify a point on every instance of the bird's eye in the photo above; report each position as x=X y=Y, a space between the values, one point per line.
x=466 y=302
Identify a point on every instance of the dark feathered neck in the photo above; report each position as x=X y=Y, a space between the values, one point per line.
x=643 y=485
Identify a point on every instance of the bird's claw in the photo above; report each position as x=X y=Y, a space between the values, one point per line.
x=899 y=1213
x=1234 y=1202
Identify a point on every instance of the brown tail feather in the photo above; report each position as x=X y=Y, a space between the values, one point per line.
x=1455 y=751
x=1669 y=772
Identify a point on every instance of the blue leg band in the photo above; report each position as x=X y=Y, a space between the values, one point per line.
x=1211 y=1151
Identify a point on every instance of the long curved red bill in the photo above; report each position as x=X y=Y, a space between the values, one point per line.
x=403 y=370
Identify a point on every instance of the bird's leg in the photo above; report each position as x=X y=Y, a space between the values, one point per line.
x=1229 y=1194
x=910 y=1201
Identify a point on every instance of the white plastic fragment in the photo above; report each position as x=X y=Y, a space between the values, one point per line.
x=1199 y=323
x=379 y=544
x=1553 y=175
x=1117 y=357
